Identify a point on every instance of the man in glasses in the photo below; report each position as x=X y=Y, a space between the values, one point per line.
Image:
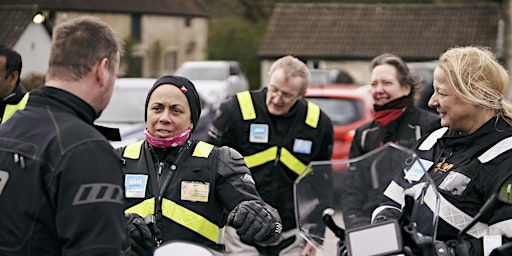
x=278 y=132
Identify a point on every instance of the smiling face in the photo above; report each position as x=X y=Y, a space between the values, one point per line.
x=455 y=114
x=283 y=93
x=385 y=85
x=168 y=112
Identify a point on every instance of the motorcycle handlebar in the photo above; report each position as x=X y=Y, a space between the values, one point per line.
x=328 y=218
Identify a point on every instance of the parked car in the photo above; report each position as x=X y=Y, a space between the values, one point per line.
x=214 y=80
x=126 y=110
x=330 y=76
x=348 y=105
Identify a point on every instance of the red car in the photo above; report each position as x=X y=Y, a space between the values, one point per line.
x=348 y=105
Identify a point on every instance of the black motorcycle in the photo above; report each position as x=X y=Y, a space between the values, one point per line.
x=326 y=192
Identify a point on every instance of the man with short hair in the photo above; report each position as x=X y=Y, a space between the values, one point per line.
x=278 y=132
x=12 y=94
x=60 y=180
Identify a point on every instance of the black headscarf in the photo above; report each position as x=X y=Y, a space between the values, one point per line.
x=187 y=88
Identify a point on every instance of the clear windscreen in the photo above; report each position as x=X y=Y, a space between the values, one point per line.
x=353 y=188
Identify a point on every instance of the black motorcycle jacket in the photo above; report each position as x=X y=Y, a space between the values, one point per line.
x=405 y=131
x=359 y=199
x=190 y=192
x=467 y=170
x=276 y=148
x=61 y=181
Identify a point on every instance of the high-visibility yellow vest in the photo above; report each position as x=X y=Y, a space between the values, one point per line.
x=172 y=210
x=273 y=153
x=10 y=109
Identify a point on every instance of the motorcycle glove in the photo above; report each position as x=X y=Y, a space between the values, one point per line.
x=465 y=247
x=255 y=222
x=141 y=239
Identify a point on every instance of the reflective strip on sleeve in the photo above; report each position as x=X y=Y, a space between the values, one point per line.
x=291 y=161
x=496 y=150
x=246 y=106
x=143 y=208
x=458 y=219
x=395 y=193
x=10 y=109
x=313 y=114
x=191 y=220
x=501 y=228
x=132 y=151
x=202 y=149
x=261 y=157
x=490 y=243
x=431 y=140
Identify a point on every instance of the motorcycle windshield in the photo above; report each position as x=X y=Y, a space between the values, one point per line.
x=354 y=188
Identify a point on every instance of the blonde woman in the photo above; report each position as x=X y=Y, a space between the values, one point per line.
x=469 y=156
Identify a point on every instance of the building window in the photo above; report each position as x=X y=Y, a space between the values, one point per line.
x=188 y=21
x=170 y=61
x=136 y=26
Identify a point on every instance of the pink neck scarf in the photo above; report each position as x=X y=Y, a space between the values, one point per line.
x=167 y=142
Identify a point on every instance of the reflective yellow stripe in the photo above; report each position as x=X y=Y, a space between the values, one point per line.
x=182 y=216
x=132 y=151
x=11 y=109
x=291 y=161
x=144 y=208
x=261 y=157
x=246 y=106
x=313 y=114
x=202 y=149
x=191 y=220
x=287 y=158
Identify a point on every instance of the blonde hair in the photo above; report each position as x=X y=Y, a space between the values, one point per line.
x=292 y=67
x=476 y=77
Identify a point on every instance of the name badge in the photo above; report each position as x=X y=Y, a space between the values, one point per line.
x=302 y=146
x=135 y=185
x=417 y=171
x=259 y=133
x=195 y=191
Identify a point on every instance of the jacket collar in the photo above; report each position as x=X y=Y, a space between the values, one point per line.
x=495 y=125
x=74 y=105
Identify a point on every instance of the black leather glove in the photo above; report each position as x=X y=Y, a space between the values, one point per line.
x=459 y=247
x=255 y=222
x=142 y=242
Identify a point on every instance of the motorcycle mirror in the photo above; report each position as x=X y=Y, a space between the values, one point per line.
x=501 y=196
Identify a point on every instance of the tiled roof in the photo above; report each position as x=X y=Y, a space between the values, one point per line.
x=362 y=31
x=13 y=22
x=165 y=7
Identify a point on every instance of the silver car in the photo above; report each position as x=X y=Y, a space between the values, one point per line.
x=214 y=80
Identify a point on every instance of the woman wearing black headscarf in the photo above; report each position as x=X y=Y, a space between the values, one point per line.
x=191 y=188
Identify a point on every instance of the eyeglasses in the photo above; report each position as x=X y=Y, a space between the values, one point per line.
x=284 y=95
